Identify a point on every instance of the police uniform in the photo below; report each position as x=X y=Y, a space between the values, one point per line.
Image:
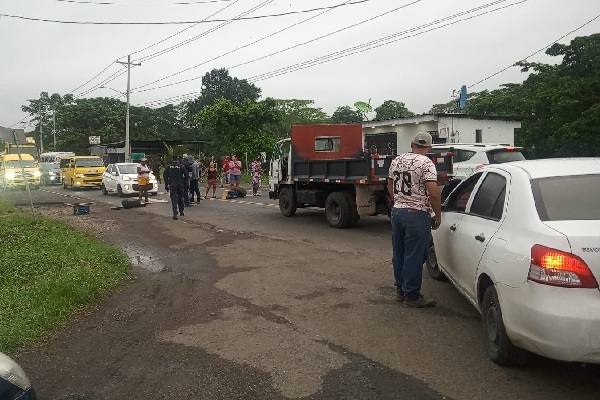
x=174 y=176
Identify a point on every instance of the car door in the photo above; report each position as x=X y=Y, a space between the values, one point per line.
x=453 y=212
x=477 y=228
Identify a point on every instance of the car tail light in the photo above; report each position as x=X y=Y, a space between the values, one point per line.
x=480 y=166
x=557 y=268
x=510 y=149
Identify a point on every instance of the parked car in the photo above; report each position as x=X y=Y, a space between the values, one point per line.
x=121 y=178
x=521 y=241
x=14 y=384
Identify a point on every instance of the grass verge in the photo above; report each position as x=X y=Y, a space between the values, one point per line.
x=48 y=271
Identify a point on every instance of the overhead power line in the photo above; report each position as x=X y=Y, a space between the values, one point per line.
x=238 y=48
x=383 y=41
x=55 y=21
x=91 y=79
x=111 y=3
x=536 y=52
x=207 y=32
x=289 y=48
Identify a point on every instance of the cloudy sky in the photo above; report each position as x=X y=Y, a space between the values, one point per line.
x=416 y=51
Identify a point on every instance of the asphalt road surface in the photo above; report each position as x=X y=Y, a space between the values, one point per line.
x=235 y=301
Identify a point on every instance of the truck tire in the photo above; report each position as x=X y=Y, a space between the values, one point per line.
x=240 y=191
x=287 y=202
x=337 y=210
x=354 y=216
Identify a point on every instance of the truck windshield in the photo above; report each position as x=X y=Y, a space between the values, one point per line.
x=89 y=162
x=20 y=164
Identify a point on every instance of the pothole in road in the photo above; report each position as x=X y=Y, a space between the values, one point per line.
x=143 y=259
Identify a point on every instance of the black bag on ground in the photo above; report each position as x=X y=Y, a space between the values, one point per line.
x=241 y=191
x=132 y=203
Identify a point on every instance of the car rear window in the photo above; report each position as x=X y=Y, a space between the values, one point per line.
x=567 y=198
x=504 y=156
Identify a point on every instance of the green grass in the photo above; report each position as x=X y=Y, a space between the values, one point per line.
x=49 y=271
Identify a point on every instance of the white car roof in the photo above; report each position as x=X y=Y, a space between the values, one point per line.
x=475 y=146
x=554 y=167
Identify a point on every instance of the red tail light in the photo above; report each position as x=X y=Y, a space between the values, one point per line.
x=480 y=166
x=557 y=268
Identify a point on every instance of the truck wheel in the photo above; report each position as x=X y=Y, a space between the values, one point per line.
x=337 y=210
x=354 y=216
x=287 y=202
x=432 y=265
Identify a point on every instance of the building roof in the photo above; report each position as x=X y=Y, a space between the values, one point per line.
x=436 y=117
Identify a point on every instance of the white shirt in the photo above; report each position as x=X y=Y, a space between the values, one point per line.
x=410 y=172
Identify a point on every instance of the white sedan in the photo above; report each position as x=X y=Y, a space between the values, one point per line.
x=521 y=241
x=121 y=178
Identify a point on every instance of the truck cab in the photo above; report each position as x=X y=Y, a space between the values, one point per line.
x=18 y=171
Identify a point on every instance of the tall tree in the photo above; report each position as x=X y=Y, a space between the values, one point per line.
x=298 y=112
x=218 y=84
x=42 y=111
x=346 y=115
x=391 y=109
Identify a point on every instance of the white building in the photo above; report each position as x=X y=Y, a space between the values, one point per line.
x=445 y=128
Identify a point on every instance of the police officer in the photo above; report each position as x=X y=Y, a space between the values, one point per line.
x=185 y=163
x=174 y=176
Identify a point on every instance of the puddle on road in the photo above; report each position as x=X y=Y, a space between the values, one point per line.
x=142 y=258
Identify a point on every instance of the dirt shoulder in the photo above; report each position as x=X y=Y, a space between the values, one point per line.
x=174 y=332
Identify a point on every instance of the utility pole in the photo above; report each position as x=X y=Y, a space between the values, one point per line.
x=41 y=135
x=54 y=127
x=129 y=64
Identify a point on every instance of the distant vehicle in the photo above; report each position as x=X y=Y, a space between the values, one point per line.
x=18 y=171
x=81 y=171
x=26 y=148
x=50 y=166
x=338 y=168
x=121 y=178
x=521 y=241
x=14 y=384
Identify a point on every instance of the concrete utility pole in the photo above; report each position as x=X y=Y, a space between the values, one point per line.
x=129 y=64
x=41 y=135
x=54 y=127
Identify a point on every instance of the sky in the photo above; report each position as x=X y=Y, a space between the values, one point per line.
x=414 y=51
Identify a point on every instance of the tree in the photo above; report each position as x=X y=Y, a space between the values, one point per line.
x=346 y=115
x=298 y=112
x=42 y=111
x=217 y=84
x=239 y=129
x=391 y=109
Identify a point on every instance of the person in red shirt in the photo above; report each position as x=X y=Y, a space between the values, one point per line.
x=225 y=170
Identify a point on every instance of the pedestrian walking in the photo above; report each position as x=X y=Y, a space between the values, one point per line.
x=256 y=168
x=412 y=183
x=235 y=171
x=155 y=166
x=224 y=170
x=211 y=179
x=185 y=162
x=175 y=176
x=143 y=180
x=194 y=181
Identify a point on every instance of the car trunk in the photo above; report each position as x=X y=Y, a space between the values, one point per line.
x=584 y=237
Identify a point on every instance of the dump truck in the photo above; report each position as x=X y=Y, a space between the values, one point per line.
x=338 y=168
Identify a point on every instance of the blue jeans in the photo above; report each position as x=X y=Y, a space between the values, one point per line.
x=411 y=231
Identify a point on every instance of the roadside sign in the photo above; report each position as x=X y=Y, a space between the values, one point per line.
x=136 y=156
x=94 y=139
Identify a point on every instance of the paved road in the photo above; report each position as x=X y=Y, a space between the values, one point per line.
x=303 y=310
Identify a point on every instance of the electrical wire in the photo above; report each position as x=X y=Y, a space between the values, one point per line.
x=104 y=82
x=110 y=3
x=238 y=48
x=292 y=47
x=537 y=52
x=55 y=21
x=94 y=77
x=207 y=32
x=381 y=42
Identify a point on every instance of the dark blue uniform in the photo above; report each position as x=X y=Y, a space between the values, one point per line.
x=175 y=176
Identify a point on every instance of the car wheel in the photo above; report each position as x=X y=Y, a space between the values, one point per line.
x=497 y=343
x=287 y=202
x=104 y=191
x=120 y=191
x=337 y=210
x=64 y=184
x=432 y=265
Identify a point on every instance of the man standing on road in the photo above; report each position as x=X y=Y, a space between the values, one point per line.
x=194 y=181
x=412 y=183
x=175 y=175
x=185 y=163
